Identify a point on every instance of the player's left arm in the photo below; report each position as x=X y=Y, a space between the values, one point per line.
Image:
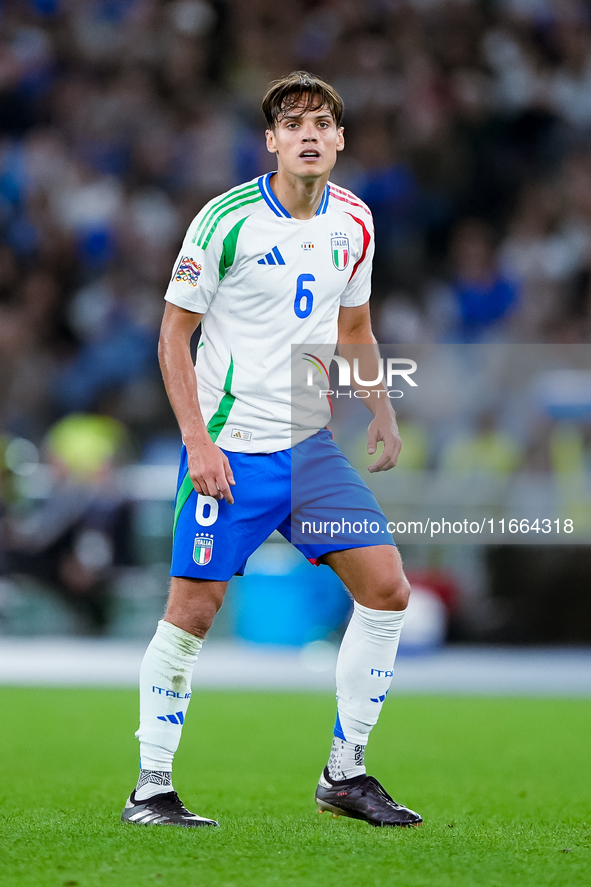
x=355 y=330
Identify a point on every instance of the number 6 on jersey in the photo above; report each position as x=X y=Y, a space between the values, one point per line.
x=303 y=294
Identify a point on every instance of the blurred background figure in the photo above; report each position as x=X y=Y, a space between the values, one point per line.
x=486 y=450
x=74 y=539
x=484 y=298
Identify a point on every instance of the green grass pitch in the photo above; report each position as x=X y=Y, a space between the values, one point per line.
x=503 y=786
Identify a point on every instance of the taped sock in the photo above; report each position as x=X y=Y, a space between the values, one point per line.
x=346 y=760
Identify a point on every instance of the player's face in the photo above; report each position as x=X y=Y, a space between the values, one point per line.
x=306 y=142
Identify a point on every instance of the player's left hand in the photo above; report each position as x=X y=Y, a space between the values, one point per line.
x=383 y=428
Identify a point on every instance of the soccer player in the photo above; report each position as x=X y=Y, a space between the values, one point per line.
x=282 y=260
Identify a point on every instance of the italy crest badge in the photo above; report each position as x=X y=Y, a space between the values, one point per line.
x=339 y=246
x=202 y=550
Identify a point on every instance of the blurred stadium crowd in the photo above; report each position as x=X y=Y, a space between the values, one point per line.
x=469 y=135
x=468 y=128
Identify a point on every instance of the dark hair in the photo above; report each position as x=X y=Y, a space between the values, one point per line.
x=297 y=88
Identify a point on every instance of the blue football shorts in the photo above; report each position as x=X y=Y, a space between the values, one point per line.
x=310 y=493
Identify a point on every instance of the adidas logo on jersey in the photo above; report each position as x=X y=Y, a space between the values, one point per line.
x=272 y=258
x=238 y=434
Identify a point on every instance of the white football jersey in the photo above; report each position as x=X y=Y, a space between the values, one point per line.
x=266 y=281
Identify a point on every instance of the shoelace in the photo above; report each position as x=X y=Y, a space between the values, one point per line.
x=170 y=802
x=373 y=783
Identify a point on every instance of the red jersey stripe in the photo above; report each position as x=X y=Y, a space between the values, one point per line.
x=366 y=242
x=348 y=197
x=345 y=199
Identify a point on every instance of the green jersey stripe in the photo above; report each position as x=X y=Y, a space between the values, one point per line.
x=223 y=199
x=229 y=248
x=214 y=427
x=218 y=420
x=220 y=417
x=185 y=490
x=254 y=199
x=232 y=197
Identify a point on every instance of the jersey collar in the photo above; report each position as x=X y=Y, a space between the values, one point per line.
x=278 y=209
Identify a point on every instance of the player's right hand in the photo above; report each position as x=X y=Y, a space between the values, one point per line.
x=210 y=471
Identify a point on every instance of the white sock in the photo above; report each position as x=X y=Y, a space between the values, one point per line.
x=165 y=692
x=364 y=673
x=346 y=759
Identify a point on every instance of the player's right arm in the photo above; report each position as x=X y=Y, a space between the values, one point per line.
x=209 y=468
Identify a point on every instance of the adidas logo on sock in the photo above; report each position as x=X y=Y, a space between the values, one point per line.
x=272 y=258
x=177 y=718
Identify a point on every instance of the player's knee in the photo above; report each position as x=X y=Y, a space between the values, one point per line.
x=402 y=593
x=200 y=623
x=392 y=593
x=202 y=611
x=192 y=604
x=196 y=620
